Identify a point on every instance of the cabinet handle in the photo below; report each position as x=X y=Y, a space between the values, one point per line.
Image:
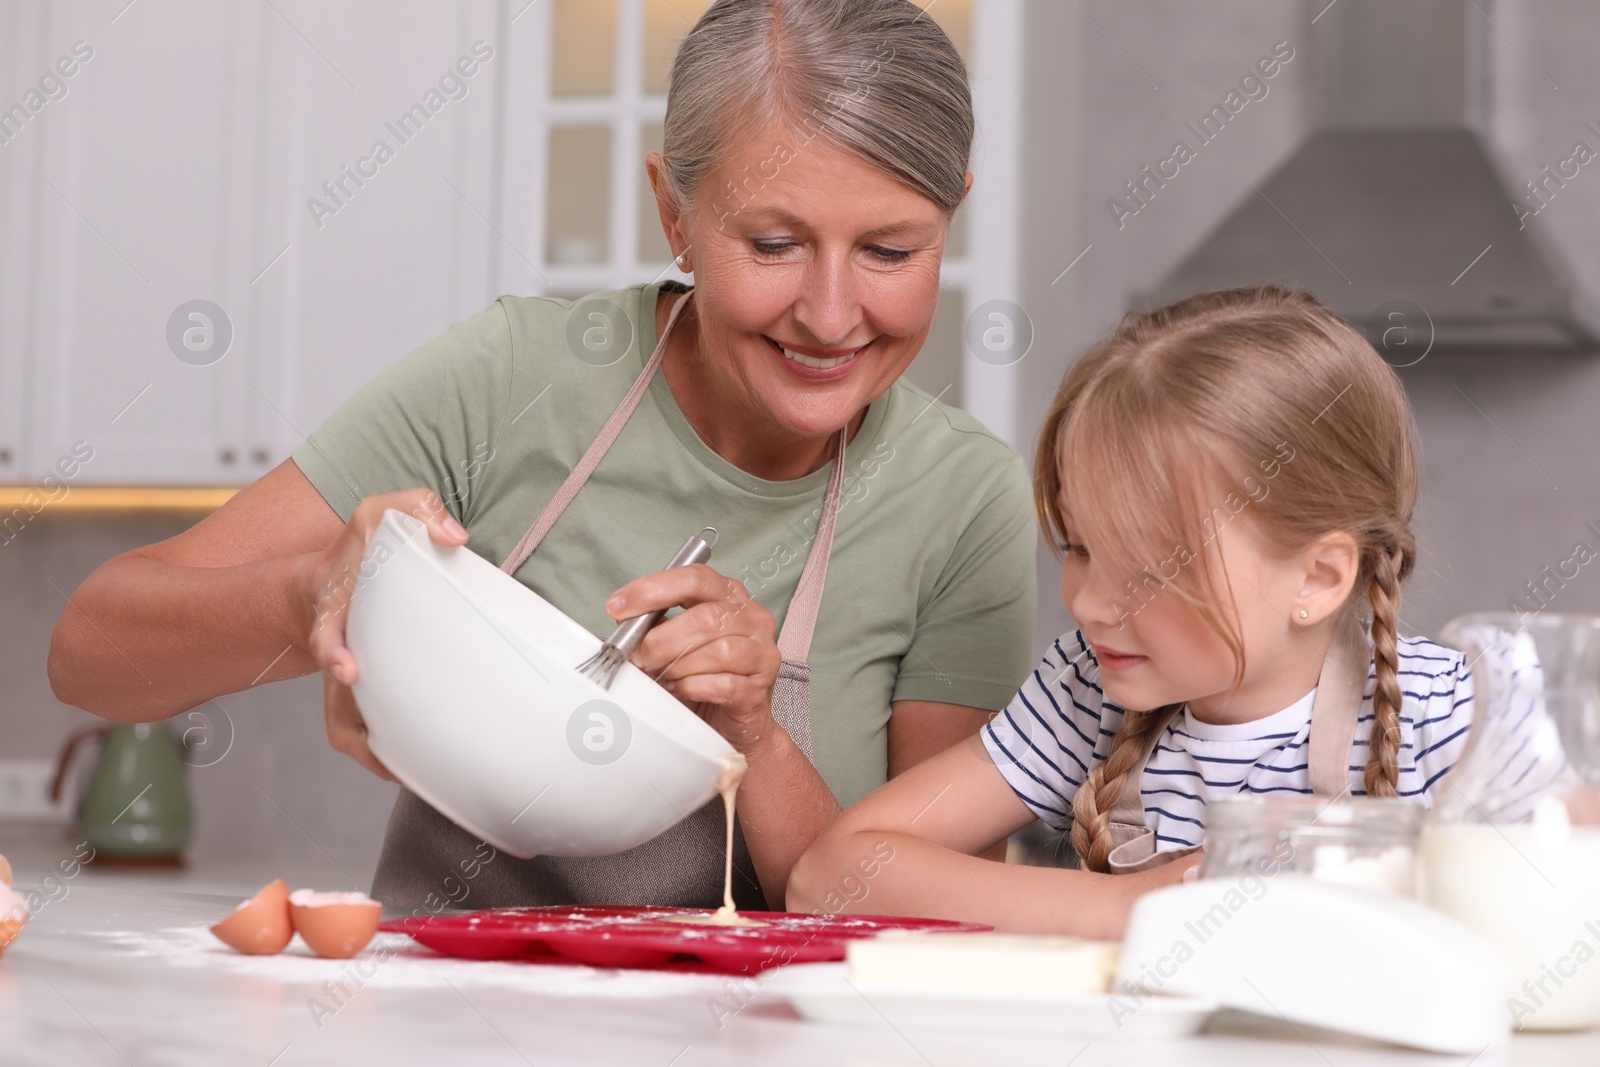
x=227 y=457
x=5 y=455
x=260 y=455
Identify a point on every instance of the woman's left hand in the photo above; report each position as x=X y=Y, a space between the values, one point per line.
x=719 y=655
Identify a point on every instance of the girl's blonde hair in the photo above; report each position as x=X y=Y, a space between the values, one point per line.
x=1256 y=405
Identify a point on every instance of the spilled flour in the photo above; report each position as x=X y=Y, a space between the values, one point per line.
x=394 y=961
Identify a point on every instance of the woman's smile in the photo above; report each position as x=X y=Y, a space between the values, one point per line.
x=815 y=364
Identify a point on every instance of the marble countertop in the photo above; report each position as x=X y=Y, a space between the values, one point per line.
x=117 y=968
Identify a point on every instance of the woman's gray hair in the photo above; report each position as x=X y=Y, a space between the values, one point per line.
x=876 y=78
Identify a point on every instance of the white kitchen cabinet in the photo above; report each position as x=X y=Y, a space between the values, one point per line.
x=401 y=249
x=135 y=190
x=178 y=167
x=23 y=37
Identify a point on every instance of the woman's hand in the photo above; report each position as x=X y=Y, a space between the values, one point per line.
x=323 y=586
x=719 y=655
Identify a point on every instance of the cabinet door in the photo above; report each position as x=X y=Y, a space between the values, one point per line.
x=143 y=202
x=208 y=275
x=377 y=155
x=24 y=39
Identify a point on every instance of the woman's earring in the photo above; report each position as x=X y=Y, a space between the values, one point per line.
x=1304 y=614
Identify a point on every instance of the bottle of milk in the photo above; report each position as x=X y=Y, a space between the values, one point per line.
x=1517 y=855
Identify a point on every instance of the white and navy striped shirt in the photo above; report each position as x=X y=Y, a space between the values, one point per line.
x=1060 y=724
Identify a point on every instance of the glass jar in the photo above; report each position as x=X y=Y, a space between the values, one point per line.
x=1512 y=847
x=1546 y=666
x=1368 y=842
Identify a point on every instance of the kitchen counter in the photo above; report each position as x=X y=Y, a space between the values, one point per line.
x=118 y=968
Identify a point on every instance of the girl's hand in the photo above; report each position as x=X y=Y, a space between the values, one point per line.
x=323 y=586
x=719 y=655
x=1135 y=885
x=1178 y=871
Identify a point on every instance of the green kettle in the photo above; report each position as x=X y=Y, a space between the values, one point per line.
x=136 y=805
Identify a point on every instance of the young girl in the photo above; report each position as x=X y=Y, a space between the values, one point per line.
x=1230 y=481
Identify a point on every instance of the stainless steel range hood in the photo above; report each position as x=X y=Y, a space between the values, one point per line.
x=1395 y=196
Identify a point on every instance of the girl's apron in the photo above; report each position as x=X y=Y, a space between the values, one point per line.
x=1334 y=713
x=429 y=862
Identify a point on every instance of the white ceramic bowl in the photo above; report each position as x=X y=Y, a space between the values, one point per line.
x=467 y=680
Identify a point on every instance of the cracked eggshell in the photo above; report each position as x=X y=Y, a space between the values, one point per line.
x=260 y=926
x=13 y=914
x=335 y=925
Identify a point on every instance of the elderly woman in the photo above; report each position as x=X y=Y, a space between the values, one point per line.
x=815 y=152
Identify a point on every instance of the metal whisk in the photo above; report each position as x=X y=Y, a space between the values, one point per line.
x=603 y=666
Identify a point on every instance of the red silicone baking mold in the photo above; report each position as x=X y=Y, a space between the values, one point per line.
x=640 y=937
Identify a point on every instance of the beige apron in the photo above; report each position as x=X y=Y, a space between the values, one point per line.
x=424 y=853
x=1334 y=713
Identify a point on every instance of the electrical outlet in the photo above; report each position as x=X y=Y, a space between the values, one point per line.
x=25 y=793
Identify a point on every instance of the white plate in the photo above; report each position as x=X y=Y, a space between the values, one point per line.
x=823 y=993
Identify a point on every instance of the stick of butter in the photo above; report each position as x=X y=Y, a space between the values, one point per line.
x=1000 y=963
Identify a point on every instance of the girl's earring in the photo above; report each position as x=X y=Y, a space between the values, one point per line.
x=1304 y=614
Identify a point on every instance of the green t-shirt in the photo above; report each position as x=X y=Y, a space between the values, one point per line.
x=930 y=587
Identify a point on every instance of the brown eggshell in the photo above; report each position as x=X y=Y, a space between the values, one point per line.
x=335 y=925
x=9 y=929
x=13 y=914
x=5 y=870
x=260 y=926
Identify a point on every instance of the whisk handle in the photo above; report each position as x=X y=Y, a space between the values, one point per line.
x=697 y=549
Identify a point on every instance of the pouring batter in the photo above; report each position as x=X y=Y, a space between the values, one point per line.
x=733 y=767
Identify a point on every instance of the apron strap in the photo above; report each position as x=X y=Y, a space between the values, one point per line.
x=596 y=450
x=1133 y=842
x=794 y=643
x=1335 y=712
